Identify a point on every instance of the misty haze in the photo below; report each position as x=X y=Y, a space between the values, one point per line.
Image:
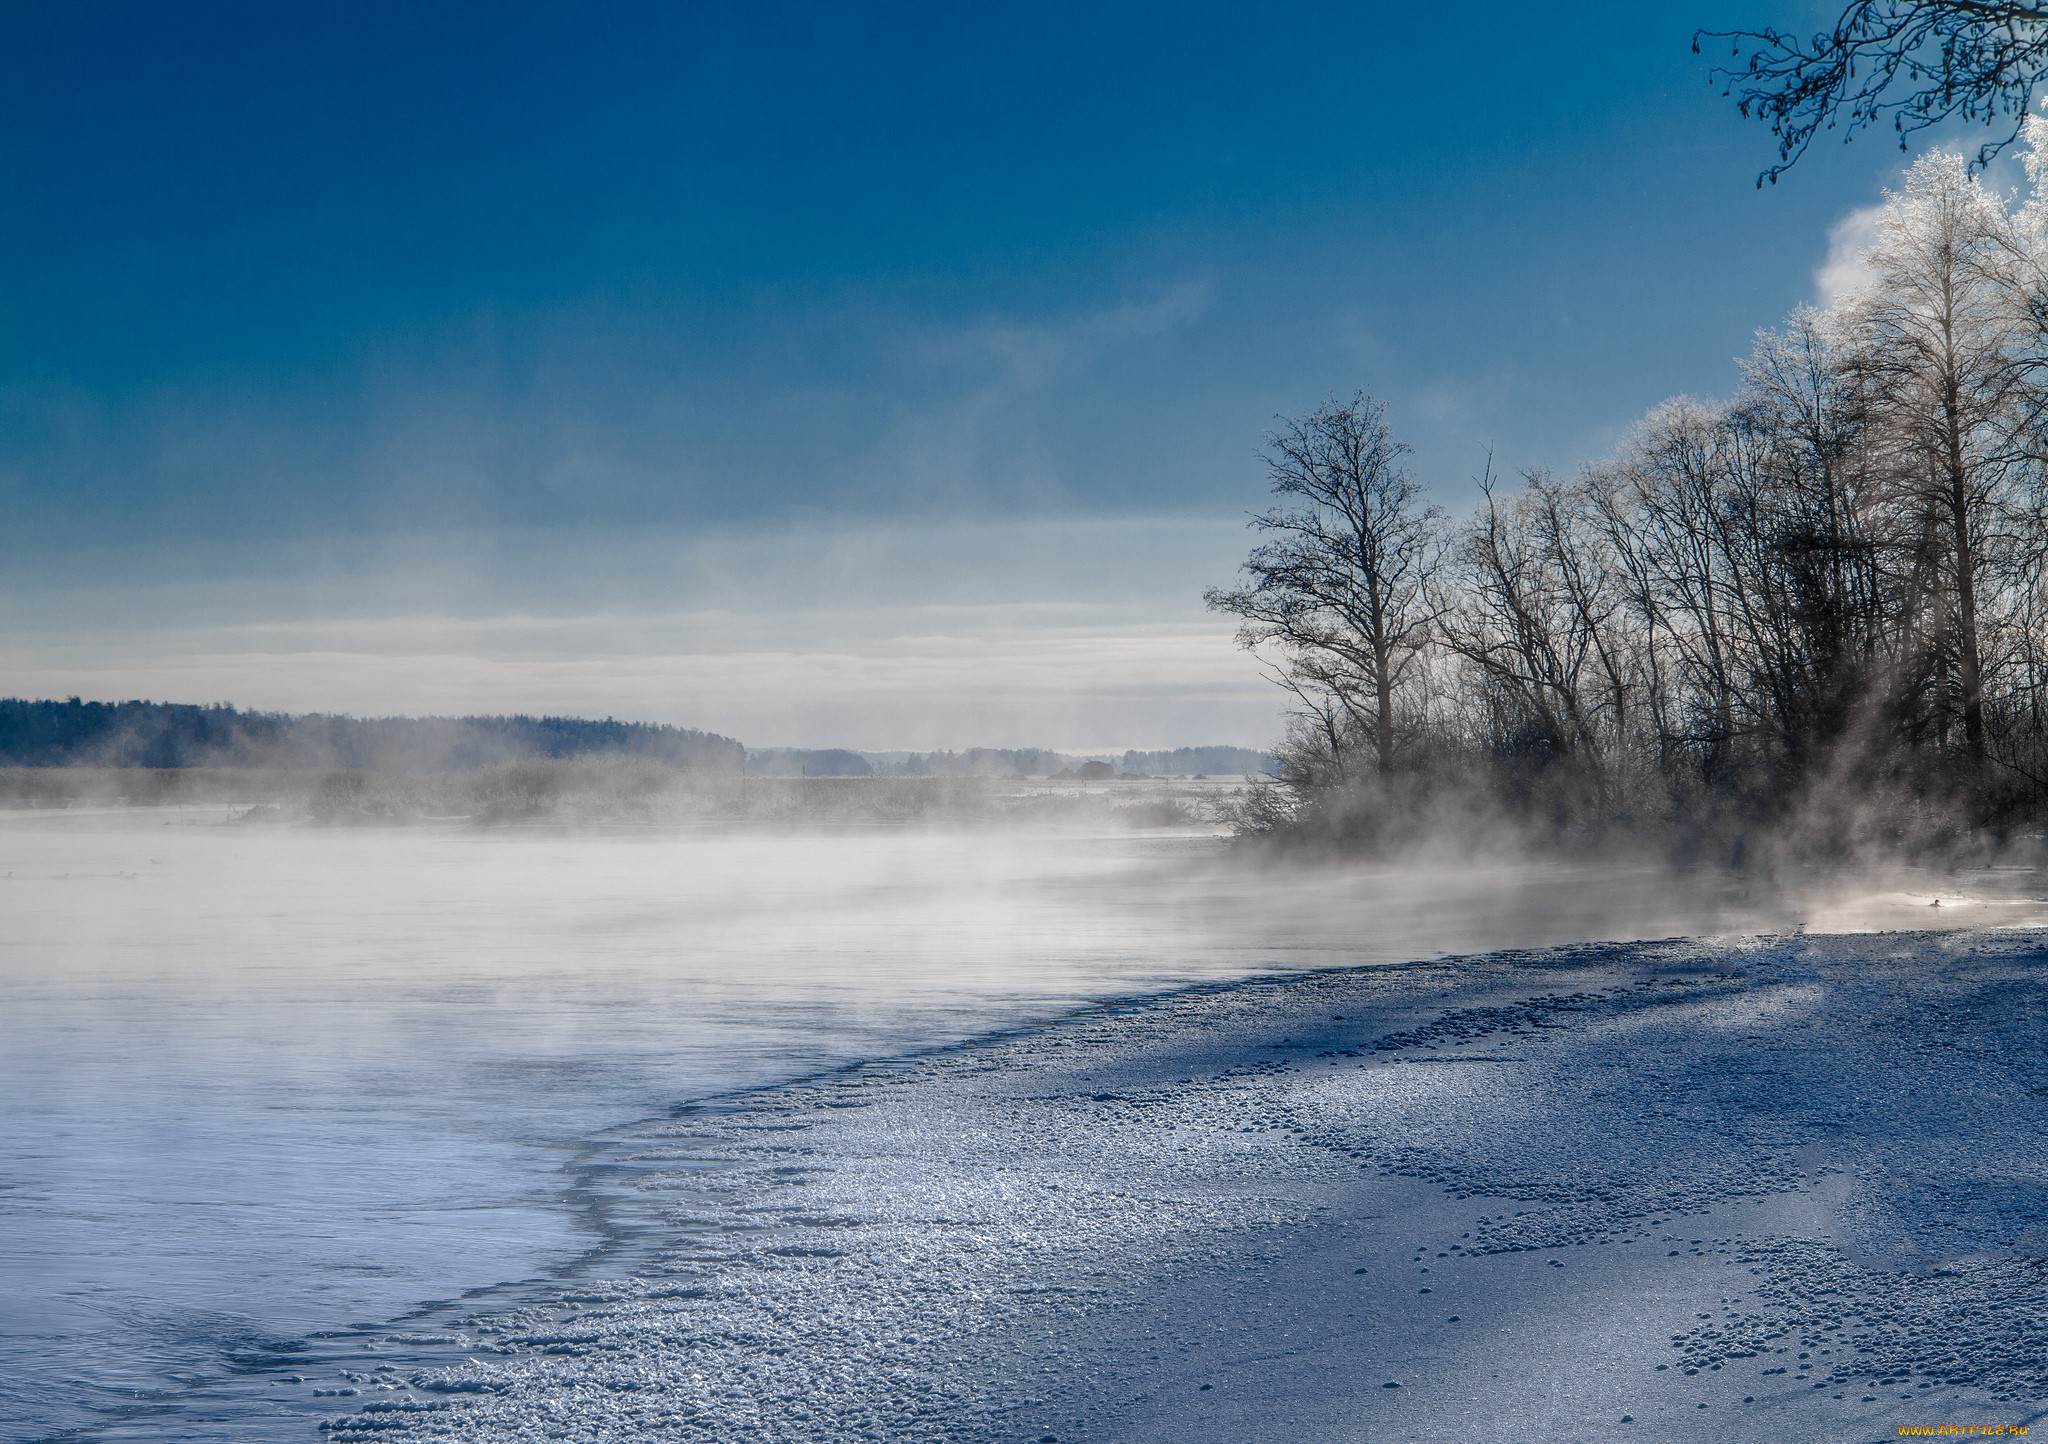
x=808 y=723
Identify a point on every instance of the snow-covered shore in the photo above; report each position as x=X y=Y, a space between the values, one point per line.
x=1782 y=1188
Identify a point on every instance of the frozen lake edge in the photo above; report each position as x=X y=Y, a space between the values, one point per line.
x=1217 y=1214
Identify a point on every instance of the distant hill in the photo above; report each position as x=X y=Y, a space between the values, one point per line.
x=170 y=734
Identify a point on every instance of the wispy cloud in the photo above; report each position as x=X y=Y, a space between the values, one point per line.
x=986 y=396
x=1030 y=353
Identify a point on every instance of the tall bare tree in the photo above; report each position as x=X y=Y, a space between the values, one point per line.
x=1540 y=616
x=1340 y=588
x=1677 y=468
x=1829 y=521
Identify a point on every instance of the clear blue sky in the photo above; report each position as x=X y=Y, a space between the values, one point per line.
x=800 y=370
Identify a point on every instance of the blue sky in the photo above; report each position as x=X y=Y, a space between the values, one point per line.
x=872 y=375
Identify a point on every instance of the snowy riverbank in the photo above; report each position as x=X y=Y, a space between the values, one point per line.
x=1521 y=1197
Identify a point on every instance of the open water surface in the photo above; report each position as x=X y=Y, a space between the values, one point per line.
x=267 y=1082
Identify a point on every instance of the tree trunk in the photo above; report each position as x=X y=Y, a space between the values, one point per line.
x=1969 y=662
x=1383 y=723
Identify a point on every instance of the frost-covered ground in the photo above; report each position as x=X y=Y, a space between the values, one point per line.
x=1787 y=1189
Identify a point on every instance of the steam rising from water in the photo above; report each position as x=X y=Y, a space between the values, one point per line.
x=270 y=1079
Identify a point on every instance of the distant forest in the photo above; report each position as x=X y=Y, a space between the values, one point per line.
x=1817 y=610
x=167 y=734
x=1204 y=761
x=1002 y=762
x=76 y=733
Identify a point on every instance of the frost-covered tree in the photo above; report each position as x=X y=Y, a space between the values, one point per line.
x=1941 y=347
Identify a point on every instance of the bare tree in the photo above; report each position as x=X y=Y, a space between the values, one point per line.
x=1805 y=586
x=1829 y=520
x=1676 y=467
x=1541 y=618
x=1921 y=62
x=1341 y=587
x=1841 y=573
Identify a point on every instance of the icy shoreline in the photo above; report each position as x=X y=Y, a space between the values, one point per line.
x=1790 y=1187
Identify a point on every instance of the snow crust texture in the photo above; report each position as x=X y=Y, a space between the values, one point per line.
x=1757 y=1190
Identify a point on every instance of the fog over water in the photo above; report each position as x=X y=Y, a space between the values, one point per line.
x=266 y=1080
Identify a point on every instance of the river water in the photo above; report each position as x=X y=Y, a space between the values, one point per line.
x=265 y=1082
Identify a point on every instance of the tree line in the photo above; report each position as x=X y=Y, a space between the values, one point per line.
x=1822 y=598
x=1218 y=761
x=171 y=735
